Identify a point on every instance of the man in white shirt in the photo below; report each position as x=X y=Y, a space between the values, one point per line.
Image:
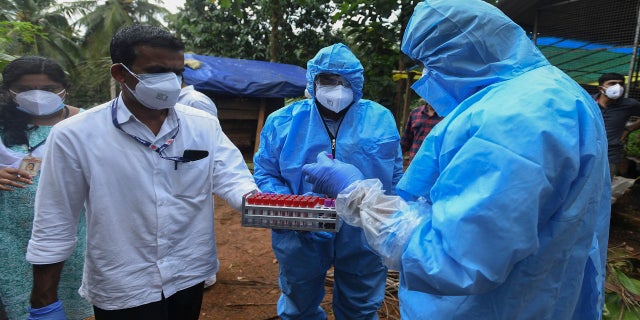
x=146 y=169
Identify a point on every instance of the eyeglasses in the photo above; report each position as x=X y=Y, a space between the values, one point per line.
x=332 y=80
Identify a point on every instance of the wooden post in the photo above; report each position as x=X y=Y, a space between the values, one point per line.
x=405 y=106
x=261 y=111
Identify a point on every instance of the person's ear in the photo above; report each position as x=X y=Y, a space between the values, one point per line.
x=118 y=72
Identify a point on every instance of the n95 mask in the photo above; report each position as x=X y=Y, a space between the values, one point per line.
x=614 y=92
x=334 y=98
x=39 y=102
x=156 y=90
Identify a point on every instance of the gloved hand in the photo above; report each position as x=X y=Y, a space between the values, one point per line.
x=312 y=194
x=54 y=311
x=330 y=176
x=387 y=221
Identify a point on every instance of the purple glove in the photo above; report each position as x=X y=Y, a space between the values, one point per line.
x=330 y=176
x=54 y=311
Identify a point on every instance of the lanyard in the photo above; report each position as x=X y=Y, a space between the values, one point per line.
x=30 y=148
x=144 y=142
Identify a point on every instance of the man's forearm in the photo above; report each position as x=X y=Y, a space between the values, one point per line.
x=633 y=126
x=45 y=284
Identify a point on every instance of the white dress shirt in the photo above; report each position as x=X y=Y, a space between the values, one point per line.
x=149 y=226
x=191 y=97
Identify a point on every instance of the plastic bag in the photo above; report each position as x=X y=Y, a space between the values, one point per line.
x=388 y=221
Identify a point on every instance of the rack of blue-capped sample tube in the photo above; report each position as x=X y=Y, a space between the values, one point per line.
x=286 y=211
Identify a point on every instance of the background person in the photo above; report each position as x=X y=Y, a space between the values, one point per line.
x=191 y=97
x=420 y=122
x=335 y=120
x=149 y=201
x=616 y=111
x=504 y=211
x=32 y=94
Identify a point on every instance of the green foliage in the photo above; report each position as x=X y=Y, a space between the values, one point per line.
x=91 y=78
x=49 y=33
x=615 y=309
x=91 y=83
x=622 y=295
x=374 y=31
x=303 y=26
x=103 y=21
x=292 y=31
x=632 y=147
x=25 y=31
x=11 y=30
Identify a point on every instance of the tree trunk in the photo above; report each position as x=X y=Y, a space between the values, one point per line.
x=275 y=9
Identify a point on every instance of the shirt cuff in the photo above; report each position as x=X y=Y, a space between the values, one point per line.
x=49 y=253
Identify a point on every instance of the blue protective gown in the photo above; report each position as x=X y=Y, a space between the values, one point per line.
x=516 y=174
x=293 y=136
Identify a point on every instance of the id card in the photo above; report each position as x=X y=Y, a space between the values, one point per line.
x=31 y=165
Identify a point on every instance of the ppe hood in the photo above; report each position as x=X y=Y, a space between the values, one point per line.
x=465 y=45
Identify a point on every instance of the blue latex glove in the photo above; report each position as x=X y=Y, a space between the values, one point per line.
x=330 y=176
x=54 y=311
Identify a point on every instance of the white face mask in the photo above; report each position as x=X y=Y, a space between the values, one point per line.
x=614 y=92
x=39 y=102
x=334 y=98
x=156 y=90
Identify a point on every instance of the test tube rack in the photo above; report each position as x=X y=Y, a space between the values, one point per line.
x=293 y=212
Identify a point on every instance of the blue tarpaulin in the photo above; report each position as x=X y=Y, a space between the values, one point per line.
x=247 y=78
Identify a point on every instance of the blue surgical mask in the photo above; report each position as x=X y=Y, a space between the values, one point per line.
x=156 y=90
x=334 y=98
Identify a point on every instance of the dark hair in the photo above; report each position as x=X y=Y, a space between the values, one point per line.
x=13 y=122
x=124 y=42
x=609 y=76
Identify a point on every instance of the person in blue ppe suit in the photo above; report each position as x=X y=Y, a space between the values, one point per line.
x=504 y=211
x=335 y=120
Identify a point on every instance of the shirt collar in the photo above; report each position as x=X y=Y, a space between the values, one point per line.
x=123 y=115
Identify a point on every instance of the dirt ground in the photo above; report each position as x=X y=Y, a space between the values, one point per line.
x=247 y=287
x=247 y=282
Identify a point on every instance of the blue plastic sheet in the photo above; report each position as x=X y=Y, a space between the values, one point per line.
x=248 y=78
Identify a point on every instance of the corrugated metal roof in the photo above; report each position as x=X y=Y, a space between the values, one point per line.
x=585 y=61
x=584 y=38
